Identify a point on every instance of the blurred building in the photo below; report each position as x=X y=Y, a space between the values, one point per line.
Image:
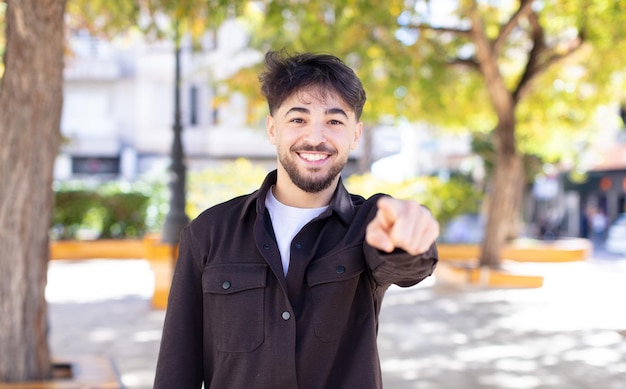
x=118 y=113
x=118 y=108
x=601 y=191
x=597 y=186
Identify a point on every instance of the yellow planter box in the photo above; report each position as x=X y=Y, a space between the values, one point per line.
x=522 y=250
x=485 y=277
x=91 y=249
x=161 y=257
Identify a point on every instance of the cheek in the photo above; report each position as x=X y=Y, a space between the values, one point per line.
x=288 y=138
x=347 y=143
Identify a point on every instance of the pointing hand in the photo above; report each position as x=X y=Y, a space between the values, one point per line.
x=403 y=224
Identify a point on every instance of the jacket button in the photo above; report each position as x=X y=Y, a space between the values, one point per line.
x=266 y=246
x=226 y=285
x=340 y=270
x=286 y=315
x=298 y=246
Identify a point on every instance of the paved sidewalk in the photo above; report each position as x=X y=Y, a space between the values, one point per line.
x=103 y=307
x=568 y=334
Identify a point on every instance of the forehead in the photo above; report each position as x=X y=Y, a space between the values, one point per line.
x=326 y=98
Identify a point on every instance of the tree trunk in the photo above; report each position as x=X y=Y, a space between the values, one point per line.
x=501 y=207
x=517 y=220
x=30 y=114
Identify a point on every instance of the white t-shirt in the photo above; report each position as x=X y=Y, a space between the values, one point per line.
x=287 y=222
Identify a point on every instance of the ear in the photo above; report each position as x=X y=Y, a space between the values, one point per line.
x=358 y=131
x=270 y=126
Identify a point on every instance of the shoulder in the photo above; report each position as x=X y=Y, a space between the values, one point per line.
x=228 y=210
x=365 y=207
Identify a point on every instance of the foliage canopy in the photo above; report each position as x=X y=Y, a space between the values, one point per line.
x=417 y=59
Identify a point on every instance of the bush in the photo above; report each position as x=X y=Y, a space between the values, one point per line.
x=124 y=216
x=445 y=199
x=106 y=213
x=122 y=210
x=217 y=184
x=71 y=210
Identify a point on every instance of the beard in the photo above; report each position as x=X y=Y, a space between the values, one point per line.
x=311 y=180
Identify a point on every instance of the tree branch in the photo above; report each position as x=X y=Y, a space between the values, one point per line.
x=427 y=27
x=524 y=9
x=534 y=66
x=487 y=60
x=464 y=62
x=457 y=31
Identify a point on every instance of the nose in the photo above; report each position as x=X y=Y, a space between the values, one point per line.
x=316 y=133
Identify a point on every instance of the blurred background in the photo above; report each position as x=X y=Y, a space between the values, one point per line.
x=498 y=115
x=426 y=135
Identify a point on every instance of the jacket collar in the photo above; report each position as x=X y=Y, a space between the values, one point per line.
x=340 y=203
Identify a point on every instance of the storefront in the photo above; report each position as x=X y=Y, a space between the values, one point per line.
x=602 y=193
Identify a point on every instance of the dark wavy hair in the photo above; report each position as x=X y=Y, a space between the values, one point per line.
x=286 y=74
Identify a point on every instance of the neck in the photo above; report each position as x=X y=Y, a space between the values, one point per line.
x=289 y=194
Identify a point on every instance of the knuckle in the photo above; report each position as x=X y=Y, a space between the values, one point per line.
x=411 y=206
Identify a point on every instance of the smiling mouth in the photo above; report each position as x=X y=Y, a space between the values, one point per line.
x=313 y=157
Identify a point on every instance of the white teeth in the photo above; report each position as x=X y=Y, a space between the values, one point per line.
x=313 y=157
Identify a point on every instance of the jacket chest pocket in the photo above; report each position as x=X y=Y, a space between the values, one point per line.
x=233 y=302
x=340 y=297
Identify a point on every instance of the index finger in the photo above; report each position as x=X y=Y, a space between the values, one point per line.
x=389 y=208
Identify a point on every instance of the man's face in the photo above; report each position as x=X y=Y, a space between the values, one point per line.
x=313 y=133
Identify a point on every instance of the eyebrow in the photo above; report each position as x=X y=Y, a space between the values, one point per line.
x=330 y=111
x=297 y=109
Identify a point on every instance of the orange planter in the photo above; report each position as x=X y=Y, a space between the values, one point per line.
x=161 y=257
x=92 y=249
x=485 y=277
x=524 y=250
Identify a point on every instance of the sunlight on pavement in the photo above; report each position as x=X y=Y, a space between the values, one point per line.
x=98 y=280
x=564 y=335
x=102 y=307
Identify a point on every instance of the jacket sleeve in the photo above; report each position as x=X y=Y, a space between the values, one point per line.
x=400 y=267
x=180 y=360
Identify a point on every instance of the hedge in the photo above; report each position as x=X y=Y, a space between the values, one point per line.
x=107 y=215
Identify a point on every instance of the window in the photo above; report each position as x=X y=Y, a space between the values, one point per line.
x=193 y=106
x=95 y=165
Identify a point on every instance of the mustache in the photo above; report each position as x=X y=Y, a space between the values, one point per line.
x=307 y=147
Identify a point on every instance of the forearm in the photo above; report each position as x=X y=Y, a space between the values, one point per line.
x=399 y=267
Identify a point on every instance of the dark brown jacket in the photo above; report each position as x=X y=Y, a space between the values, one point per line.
x=234 y=321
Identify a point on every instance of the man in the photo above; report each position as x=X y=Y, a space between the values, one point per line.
x=282 y=288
